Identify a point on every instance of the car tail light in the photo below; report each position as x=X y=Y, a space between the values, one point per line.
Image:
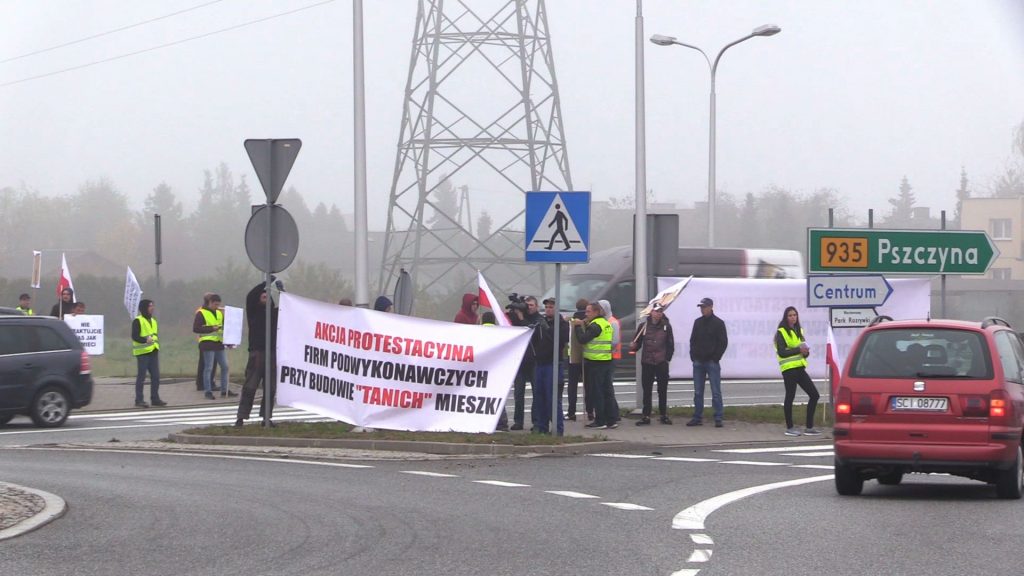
x=864 y=403
x=998 y=408
x=84 y=367
x=843 y=404
x=974 y=406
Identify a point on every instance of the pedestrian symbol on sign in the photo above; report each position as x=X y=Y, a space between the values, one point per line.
x=557 y=226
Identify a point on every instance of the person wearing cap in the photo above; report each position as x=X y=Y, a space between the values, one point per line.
x=575 y=372
x=548 y=367
x=657 y=342
x=708 y=341
x=383 y=304
x=208 y=323
x=595 y=334
x=25 y=304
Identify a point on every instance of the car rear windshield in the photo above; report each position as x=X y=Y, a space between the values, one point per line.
x=915 y=353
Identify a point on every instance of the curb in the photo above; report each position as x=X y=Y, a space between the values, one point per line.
x=53 y=507
x=441 y=448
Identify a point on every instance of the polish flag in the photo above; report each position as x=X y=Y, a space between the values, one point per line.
x=832 y=360
x=487 y=299
x=65 y=278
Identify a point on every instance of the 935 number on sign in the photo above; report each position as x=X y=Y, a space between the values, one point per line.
x=844 y=252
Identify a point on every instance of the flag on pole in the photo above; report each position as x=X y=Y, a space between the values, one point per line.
x=37 y=268
x=132 y=294
x=832 y=360
x=486 y=298
x=65 y=278
x=666 y=296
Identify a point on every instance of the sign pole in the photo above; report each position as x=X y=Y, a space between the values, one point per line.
x=556 y=365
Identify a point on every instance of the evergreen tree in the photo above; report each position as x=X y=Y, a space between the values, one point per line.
x=902 y=206
x=962 y=193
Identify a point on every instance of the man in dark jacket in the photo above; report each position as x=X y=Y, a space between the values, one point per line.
x=548 y=368
x=708 y=342
x=524 y=314
x=255 y=369
x=657 y=342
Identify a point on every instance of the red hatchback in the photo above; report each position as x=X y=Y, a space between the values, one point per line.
x=932 y=396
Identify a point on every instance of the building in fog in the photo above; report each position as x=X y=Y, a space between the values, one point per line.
x=1002 y=219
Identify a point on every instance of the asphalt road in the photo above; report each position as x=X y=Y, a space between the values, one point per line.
x=712 y=510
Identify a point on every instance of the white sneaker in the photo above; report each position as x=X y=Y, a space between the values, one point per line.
x=812 y=432
x=792 y=432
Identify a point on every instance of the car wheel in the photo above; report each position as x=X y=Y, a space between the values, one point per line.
x=5 y=419
x=891 y=478
x=50 y=407
x=848 y=480
x=1010 y=482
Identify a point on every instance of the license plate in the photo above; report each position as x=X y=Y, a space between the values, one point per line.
x=919 y=403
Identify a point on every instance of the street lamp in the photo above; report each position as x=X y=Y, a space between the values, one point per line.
x=766 y=30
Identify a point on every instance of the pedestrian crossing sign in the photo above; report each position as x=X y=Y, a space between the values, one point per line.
x=558 y=226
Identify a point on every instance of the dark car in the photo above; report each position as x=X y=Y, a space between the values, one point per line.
x=44 y=371
x=932 y=396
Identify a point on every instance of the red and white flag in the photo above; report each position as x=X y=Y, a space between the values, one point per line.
x=487 y=299
x=65 y=278
x=832 y=360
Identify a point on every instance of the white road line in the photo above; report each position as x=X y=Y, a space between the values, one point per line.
x=776 y=449
x=570 y=494
x=626 y=506
x=700 y=555
x=754 y=463
x=693 y=517
x=198 y=455
x=702 y=539
x=686 y=572
x=626 y=456
x=815 y=466
x=813 y=454
x=431 y=474
x=502 y=484
x=682 y=459
x=162 y=415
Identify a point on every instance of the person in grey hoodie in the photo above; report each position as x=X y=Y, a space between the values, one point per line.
x=657 y=342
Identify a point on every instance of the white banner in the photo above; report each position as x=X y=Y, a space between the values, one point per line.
x=89 y=329
x=233 y=316
x=382 y=370
x=752 y=309
x=132 y=294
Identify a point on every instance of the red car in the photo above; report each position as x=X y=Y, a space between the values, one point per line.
x=931 y=396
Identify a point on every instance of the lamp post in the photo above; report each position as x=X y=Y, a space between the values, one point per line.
x=766 y=30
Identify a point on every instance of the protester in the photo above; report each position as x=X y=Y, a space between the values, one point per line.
x=209 y=324
x=25 y=304
x=548 y=367
x=524 y=313
x=345 y=302
x=657 y=345
x=488 y=319
x=146 y=349
x=595 y=333
x=467 y=314
x=255 y=368
x=576 y=368
x=383 y=304
x=78 y=308
x=616 y=348
x=199 y=365
x=708 y=341
x=791 y=350
x=64 y=305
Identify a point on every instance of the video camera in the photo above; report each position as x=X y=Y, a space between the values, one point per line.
x=517 y=302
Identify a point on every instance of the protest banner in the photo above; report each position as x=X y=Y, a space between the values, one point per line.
x=89 y=330
x=132 y=294
x=381 y=370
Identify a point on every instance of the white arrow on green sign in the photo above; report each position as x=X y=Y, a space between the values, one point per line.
x=858 y=250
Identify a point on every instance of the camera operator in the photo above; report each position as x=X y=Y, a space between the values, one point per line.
x=545 y=374
x=522 y=311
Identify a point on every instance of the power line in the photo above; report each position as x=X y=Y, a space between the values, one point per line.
x=166 y=45
x=114 y=31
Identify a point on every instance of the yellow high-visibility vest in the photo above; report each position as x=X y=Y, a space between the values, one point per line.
x=792 y=341
x=212 y=319
x=600 y=348
x=147 y=327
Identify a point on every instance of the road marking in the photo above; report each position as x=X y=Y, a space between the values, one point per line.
x=693 y=517
x=626 y=506
x=431 y=474
x=776 y=449
x=682 y=459
x=570 y=494
x=700 y=555
x=625 y=456
x=686 y=572
x=813 y=454
x=815 y=466
x=754 y=463
x=285 y=460
x=502 y=484
x=702 y=539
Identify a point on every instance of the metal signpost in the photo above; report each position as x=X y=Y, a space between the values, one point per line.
x=272 y=159
x=557 y=230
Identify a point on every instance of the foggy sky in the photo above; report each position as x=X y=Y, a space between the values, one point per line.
x=850 y=95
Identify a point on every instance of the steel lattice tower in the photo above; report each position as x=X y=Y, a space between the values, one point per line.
x=482 y=109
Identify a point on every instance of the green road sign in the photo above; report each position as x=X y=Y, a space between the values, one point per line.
x=859 y=250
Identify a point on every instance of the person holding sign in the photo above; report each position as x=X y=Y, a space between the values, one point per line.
x=146 y=349
x=792 y=351
x=209 y=324
x=256 y=302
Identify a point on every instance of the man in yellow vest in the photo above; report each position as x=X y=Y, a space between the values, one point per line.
x=209 y=324
x=595 y=334
x=146 y=349
x=25 y=304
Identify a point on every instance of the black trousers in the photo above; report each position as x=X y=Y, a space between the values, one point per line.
x=791 y=379
x=575 y=375
x=599 y=374
x=648 y=374
x=254 y=376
